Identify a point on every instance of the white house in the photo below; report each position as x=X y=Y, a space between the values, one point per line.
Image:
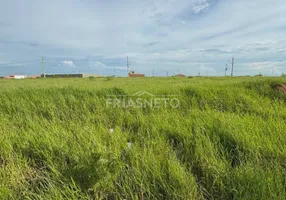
x=16 y=77
x=19 y=76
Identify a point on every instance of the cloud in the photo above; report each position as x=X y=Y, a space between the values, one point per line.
x=95 y=64
x=216 y=51
x=268 y=68
x=150 y=44
x=68 y=62
x=98 y=64
x=265 y=65
x=201 y=6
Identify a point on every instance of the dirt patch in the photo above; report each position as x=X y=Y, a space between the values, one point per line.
x=279 y=87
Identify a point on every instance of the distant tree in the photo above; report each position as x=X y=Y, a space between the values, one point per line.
x=109 y=78
x=259 y=74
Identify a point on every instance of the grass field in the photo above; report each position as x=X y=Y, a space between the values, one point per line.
x=227 y=140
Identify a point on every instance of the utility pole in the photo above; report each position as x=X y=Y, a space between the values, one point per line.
x=153 y=73
x=127 y=66
x=225 y=69
x=232 y=66
x=43 y=67
x=167 y=73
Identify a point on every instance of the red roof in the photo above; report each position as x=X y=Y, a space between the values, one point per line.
x=136 y=75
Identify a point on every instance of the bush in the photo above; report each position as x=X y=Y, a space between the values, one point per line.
x=109 y=78
x=91 y=78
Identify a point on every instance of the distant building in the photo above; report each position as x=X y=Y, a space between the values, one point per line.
x=91 y=75
x=15 y=77
x=20 y=77
x=34 y=77
x=180 y=75
x=132 y=74
x=70 y=75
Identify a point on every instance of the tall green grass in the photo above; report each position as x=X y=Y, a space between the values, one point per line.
x=227 y=140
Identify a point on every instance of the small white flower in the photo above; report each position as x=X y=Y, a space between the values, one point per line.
x=111 y=130
x=129 y=144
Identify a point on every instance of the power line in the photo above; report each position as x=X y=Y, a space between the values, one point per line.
x=20 y=63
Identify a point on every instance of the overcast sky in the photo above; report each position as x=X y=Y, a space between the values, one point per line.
x=186 y=36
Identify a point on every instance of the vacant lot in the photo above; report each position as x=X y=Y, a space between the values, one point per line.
x=227 y=140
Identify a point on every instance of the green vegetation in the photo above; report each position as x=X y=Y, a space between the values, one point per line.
x=226 y=141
